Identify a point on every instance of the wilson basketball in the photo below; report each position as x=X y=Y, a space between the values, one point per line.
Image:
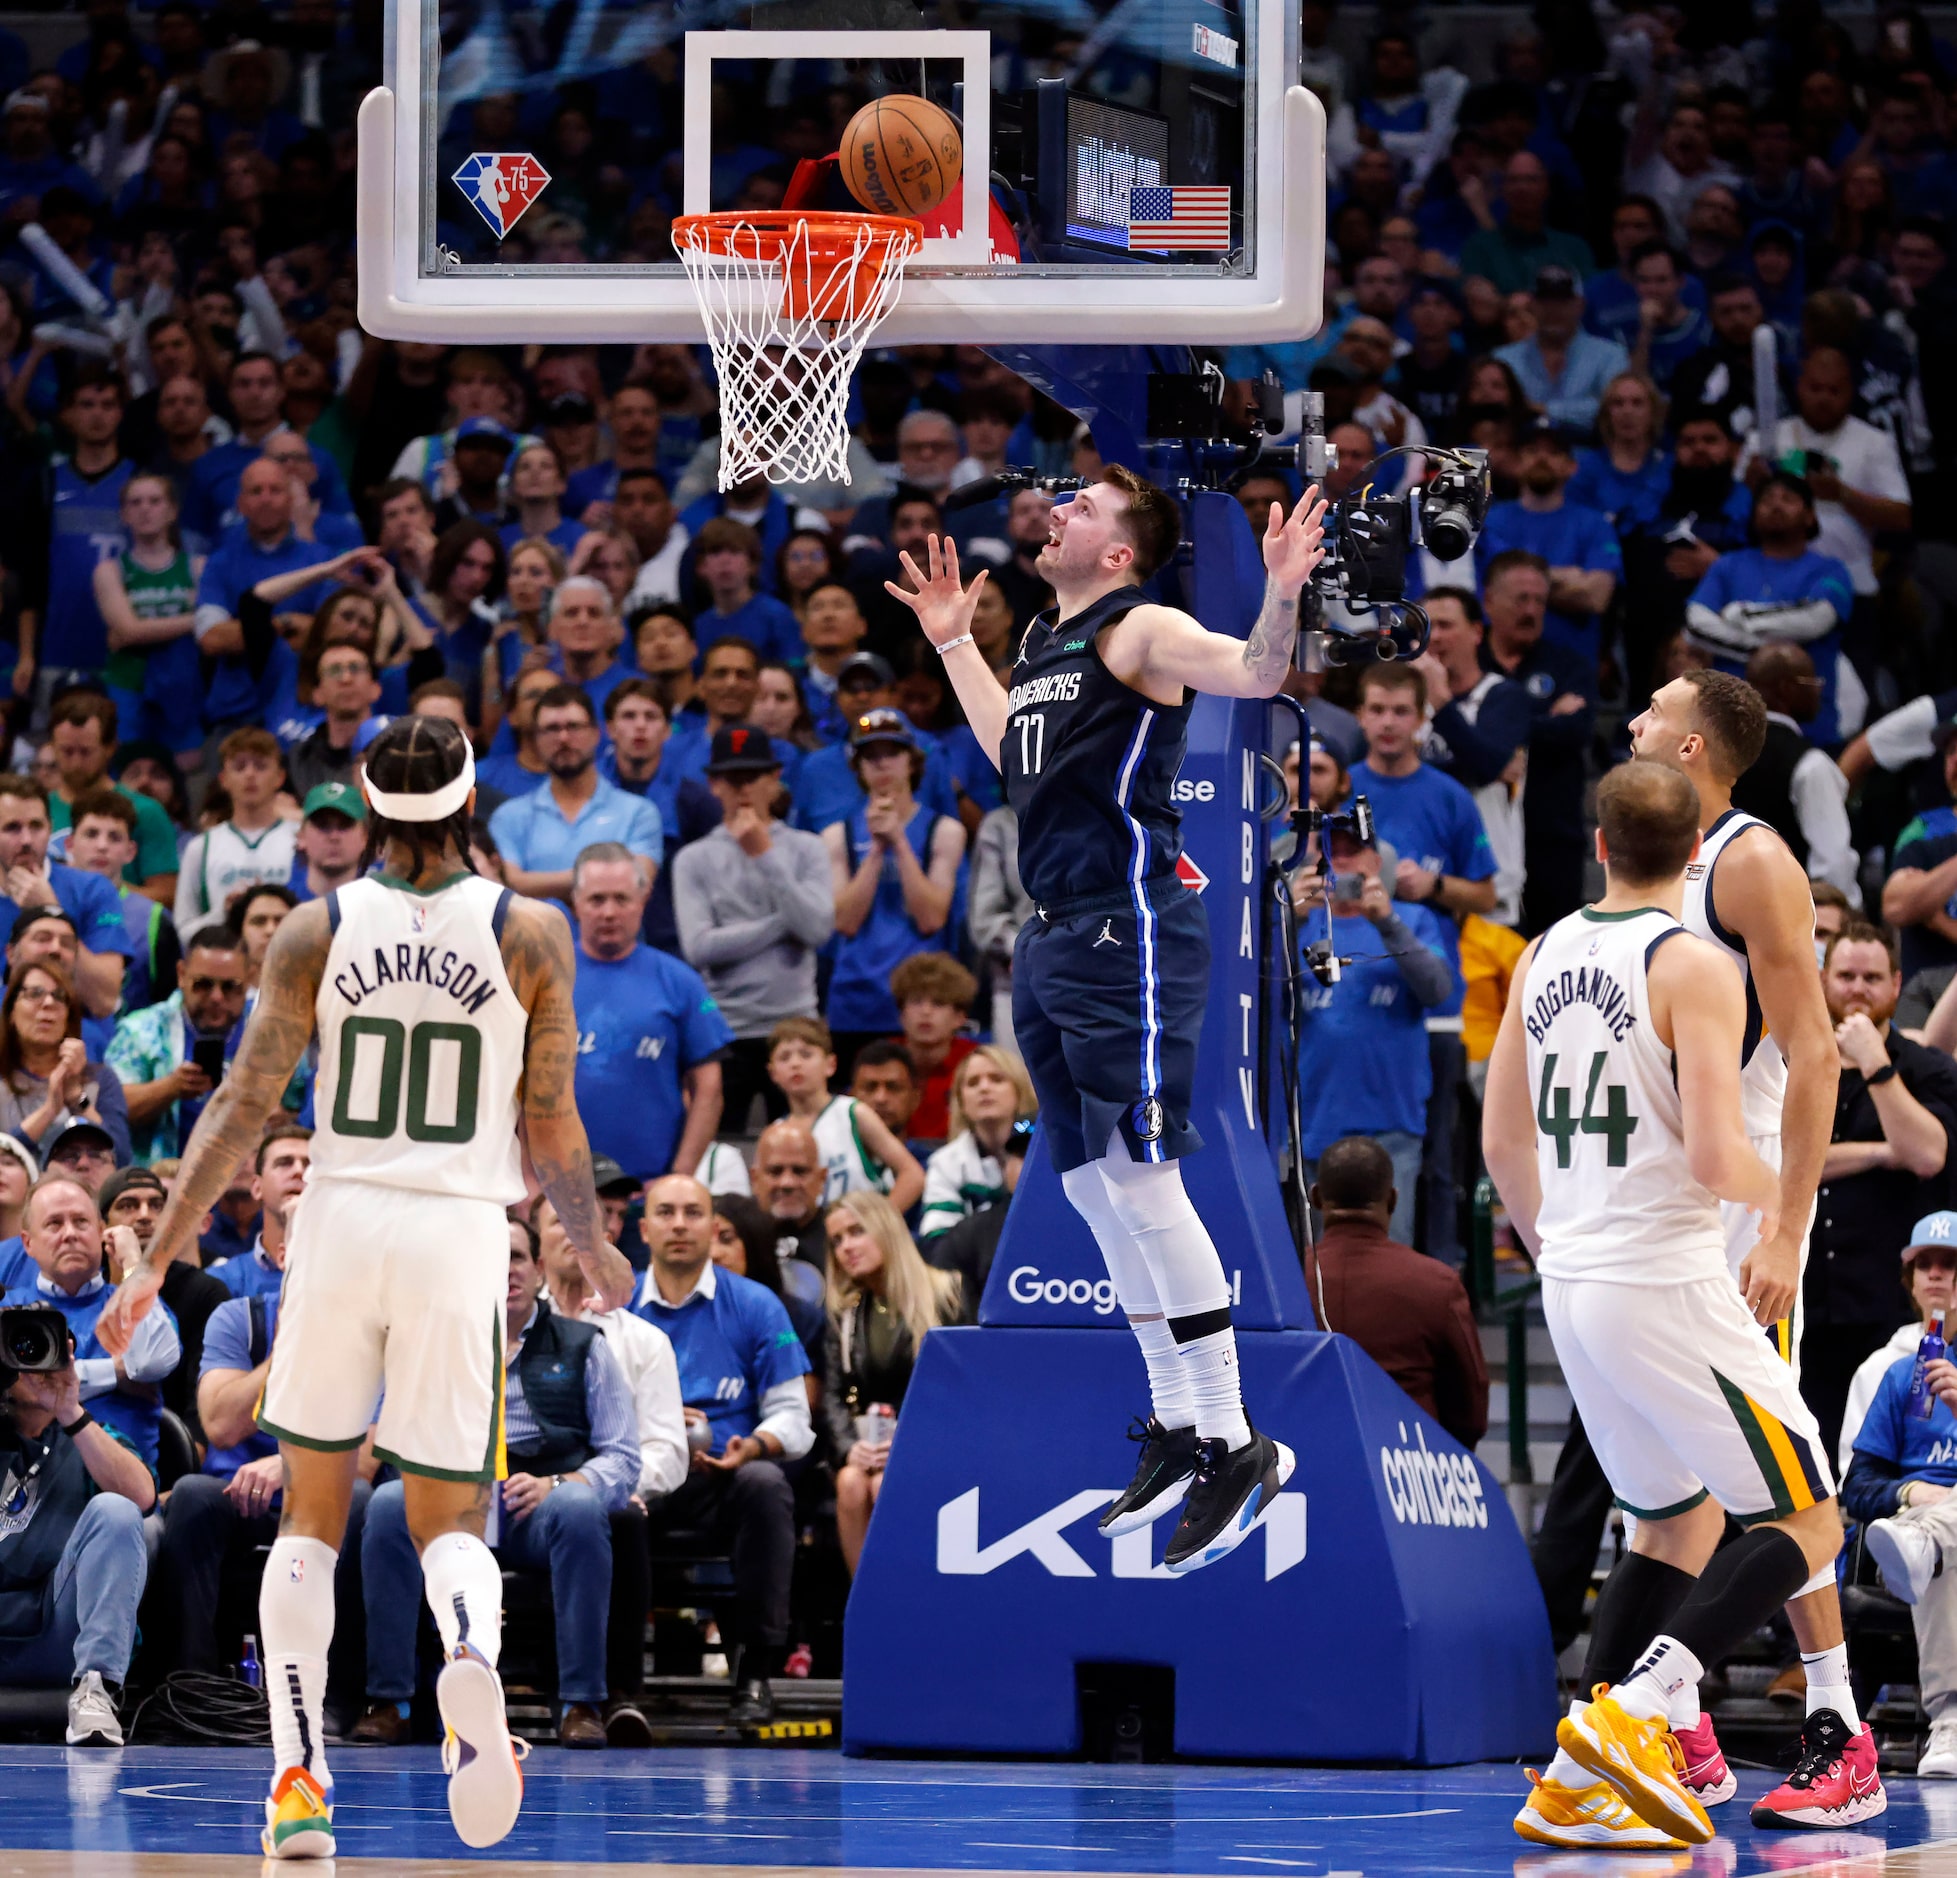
x=901 y=155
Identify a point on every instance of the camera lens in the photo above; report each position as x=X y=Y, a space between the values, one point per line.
x=1449 y=532
x=29 y=1345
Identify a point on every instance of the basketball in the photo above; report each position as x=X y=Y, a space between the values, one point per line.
x=901 y=155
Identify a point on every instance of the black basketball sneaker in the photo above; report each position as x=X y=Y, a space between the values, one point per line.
x=1163 y=1471
x=1227 y=1497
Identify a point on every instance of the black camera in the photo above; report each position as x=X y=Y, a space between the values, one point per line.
x=33 y=1339
x=1453 y=506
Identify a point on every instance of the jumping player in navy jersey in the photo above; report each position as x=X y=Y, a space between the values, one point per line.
x=1110 y=976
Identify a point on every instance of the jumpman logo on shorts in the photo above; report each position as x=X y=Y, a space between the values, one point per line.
x=1107 y=937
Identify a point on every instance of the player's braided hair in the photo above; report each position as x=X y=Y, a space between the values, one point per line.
x=415 y=756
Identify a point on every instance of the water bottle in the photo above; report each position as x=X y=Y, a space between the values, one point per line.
x=250 y=1671
x=876 y=1425
x=1933 y=1349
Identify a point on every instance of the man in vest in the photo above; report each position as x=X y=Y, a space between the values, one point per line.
x=1798 y=790
x=570 y=1430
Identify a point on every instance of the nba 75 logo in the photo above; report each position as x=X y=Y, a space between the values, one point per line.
x=500 y=188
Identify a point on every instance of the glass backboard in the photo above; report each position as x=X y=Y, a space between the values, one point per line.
x=1146 y=170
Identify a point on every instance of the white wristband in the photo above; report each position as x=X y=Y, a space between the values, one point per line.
x=963 y=639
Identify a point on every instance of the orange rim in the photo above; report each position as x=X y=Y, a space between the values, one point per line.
x=831 y=235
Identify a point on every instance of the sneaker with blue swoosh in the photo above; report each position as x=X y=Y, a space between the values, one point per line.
x=1228 y=1495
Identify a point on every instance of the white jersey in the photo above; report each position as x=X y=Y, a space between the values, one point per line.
x=1619 y=1202
x=1763 y=1070
x=225 y=860
x=420 y=1042
x=848 y=1166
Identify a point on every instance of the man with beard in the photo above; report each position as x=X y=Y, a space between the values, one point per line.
x=1895 y=1118
x=1577 y=542
x=540 y=835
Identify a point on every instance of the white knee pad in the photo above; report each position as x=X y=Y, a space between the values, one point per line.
x=1151 y=1203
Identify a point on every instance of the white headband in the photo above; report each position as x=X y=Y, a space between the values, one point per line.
x=437 y=806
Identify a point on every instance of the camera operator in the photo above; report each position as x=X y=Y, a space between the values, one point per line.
x=72 y=1560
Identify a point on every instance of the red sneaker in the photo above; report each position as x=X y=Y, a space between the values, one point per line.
x=1706 y=1773
x=1834 y=1784
x=800 y=1661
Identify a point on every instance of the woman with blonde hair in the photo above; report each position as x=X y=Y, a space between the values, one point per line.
x=1629 y=476
x=883 y=1300
x=991 y=1094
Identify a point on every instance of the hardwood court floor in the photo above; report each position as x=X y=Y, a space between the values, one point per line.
x=734 y=1813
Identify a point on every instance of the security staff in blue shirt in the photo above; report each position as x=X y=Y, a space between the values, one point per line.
x=742 y=1378
x=650 y=1036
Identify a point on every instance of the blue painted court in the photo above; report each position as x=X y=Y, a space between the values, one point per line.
x=806 y=1809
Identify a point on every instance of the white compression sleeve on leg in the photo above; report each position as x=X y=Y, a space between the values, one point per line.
x=295 y=1630
x=464 y=1587
x=1168 y=1385
x=1149 y=1200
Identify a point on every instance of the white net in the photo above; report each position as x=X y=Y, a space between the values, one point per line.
x=789 y=303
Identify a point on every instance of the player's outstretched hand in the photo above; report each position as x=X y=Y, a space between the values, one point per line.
x=129 y=1304
x=1294 y=545
x=943 y=606
x=1770 y=1275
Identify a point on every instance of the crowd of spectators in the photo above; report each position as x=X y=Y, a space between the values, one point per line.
x=239 y=534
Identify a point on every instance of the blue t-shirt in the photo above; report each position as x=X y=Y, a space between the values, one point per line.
x=768 y=626
x=1429 y=818
x=16 y=1268
x=826 y=789
x=210 y=502
x=227 y=1345
x=531 y=831
x=1624 y=500
x=1363 y=1067
x=1927 y=841
x=1610 y=305
x=238 y=564
x=564 y=537
x=1924 y=1450
x=507 y=776
x=94 y=904
x=731 y=1349
x=1569 y=536
x=643 y=1022
x=1758 y=579
x=248 y=1276
x=86 y=531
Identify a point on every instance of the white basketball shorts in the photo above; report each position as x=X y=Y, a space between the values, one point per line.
x=396 y=1298
x=1742 y=1229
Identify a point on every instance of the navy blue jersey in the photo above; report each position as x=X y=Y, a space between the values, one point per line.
x=1089 y=763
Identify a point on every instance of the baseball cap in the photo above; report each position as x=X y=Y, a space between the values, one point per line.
x=1555 y=282
x=79 y=1134
x=475 y=429
x=1933 y=1229
x=882 y=726
x=607 y=1174
x=1546 y=429
x=122 y=1180
x=861 y=665
x=570 y=407
x=741 y=750
x=337 y=798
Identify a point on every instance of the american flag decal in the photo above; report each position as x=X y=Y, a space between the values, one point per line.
x=1183 y=216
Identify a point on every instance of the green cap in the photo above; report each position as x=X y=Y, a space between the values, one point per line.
x=341 y=798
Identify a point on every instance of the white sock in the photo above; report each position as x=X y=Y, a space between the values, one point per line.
x=1565 y=1771
x=1168 y=1385
x=1149 y=1200
x=1651 y=1688
x=464 y=1587
x=295 y=1630
x=1685 y=1711
x=1829 y=1687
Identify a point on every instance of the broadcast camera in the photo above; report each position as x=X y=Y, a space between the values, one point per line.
x=33 y=1340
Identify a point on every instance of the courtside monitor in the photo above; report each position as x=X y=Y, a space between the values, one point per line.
x=1149 y=173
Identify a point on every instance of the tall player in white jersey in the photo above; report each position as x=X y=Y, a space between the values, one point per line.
x=443 y=1008
x=1612 y=1127
x=1747 y=895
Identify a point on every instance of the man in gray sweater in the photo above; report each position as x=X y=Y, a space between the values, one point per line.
x=753 y=901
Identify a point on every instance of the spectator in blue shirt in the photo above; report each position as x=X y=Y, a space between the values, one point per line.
x=1578 y=544
x=638 y=730
x=537 y=484
x=86 y=529
x=541 y=834
x=30 y=165
x=278 y=1178
x=1610 y=300
x=1372 y=1023
x=263 y=544
x=62 y=1233
x=572 y=1440
x=742 y=1371
x=1626 y=479
x=585 y=637
x=826 y=786
x=1781 y=589
x=522 y=768
x=727 y=559
x=650 y=1036
x=1562 y=368
x=29 y=880
x=1669 y=330
x=255 y=394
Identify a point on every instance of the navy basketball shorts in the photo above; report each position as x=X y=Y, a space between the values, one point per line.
x=1107 y=1005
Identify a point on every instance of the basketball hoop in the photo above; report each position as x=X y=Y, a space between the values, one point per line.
x=790 y=300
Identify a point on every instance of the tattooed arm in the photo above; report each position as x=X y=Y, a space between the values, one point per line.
x=234 y=1118
x=538 y=957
